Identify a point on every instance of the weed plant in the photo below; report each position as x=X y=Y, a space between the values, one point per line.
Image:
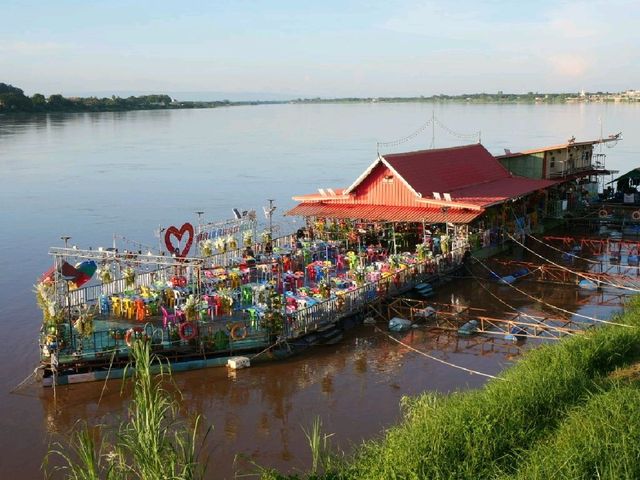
x=151 y=444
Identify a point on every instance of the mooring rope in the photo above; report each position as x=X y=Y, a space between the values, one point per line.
x=539 y=300
x=469 y=370
x=588 y=260
x=541 y=322
x=24 y=382
x=579 y=274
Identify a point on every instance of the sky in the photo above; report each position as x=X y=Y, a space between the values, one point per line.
x=324 y=48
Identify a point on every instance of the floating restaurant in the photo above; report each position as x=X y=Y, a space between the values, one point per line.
x=218 y=294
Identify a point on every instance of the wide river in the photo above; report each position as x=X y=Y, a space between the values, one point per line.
x=90 y=176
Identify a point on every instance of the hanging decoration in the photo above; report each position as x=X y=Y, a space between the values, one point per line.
x=171 y=232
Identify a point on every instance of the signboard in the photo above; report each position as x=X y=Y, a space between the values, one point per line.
x=235 y=228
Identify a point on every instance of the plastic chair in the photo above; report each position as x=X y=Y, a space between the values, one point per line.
x=177 y=295
x=311 y=272
x=170 y=298
x=167 y=317
x=116 y=306
x=152 y=307
x=128 y=308
x=253 y=318
x=141 y=311
x=105 y=305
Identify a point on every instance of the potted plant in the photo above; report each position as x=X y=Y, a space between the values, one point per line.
x=105 y=274
x=129 y=275
x=206 y=247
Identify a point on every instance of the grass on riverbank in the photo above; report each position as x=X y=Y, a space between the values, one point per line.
x=152 y=443
x=556 y=414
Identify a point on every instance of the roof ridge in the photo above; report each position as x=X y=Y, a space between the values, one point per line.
x=456 y=147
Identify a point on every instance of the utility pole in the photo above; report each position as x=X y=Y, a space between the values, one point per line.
x=270 y=215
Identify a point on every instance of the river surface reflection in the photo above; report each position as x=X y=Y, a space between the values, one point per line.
x=92 y=175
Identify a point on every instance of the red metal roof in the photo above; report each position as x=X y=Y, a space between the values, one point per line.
x=444 y=170
x=497 y=191
x=470 y=174
x=383 y=213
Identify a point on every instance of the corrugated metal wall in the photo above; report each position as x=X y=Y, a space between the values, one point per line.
x=377 y=190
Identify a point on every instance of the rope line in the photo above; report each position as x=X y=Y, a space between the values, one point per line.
x=24 y=382
x=402 y=140
x=588 y=260
x=582 y=275
x=473 y=372
x=462 y=136
x=539 y=300
x=541 y=322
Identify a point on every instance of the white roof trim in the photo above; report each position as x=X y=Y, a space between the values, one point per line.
x=366 y=173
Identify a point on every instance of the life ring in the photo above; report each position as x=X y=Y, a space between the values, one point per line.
x=234 y=331
x=135 y=332
x=187 y=331
x=636 y=215
x=179 y=281
x=603 y=213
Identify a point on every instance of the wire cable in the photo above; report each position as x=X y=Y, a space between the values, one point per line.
x=453 y=365
x=539 y=300
x=579 y=274
x=542 y=323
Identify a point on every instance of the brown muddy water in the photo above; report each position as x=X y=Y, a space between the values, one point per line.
x=92 y=175
x=259 y=414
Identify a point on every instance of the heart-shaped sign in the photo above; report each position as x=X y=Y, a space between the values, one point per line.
x=178 y=234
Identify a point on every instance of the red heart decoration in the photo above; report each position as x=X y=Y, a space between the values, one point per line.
x=174 y=232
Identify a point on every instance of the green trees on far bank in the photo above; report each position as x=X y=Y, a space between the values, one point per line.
x=13 y=100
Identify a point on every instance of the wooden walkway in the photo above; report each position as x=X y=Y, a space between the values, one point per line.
x=452 y=317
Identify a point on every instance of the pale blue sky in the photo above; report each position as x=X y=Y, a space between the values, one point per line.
x=328 y=48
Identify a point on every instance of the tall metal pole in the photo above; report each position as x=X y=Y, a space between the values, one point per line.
x=68 y=300
x=199 y=213
x=271 y=209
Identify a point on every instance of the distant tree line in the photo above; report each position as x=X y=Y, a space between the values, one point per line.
x=498 y=97
x=13 y=99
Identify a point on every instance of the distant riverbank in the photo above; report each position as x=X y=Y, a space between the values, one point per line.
x=13 y=100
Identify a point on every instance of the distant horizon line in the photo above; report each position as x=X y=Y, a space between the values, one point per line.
x=204 y=95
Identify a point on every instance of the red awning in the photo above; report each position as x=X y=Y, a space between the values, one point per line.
x=384 y=213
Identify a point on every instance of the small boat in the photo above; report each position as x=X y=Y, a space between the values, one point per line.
x=509 y=279
x=469 y=328
x=424 y=289
x=426 y=313
x=587 y=285
x=397 y=324
x=516 y=333
x=506 y=280
x=520 y=272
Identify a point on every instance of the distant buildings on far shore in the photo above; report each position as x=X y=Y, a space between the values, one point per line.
x=626 y=96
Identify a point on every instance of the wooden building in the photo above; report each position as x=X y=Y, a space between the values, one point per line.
x=460 y=187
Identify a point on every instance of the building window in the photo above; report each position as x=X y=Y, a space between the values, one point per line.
x=387 y=179
x=553 y=162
